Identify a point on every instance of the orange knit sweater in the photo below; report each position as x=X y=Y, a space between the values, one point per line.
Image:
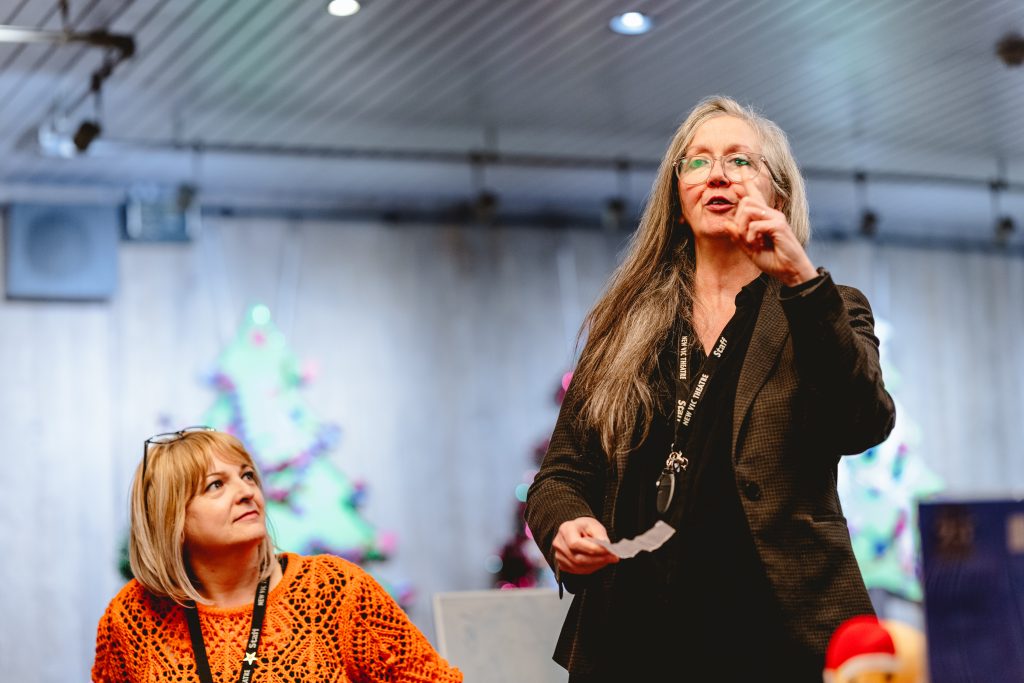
x=327 y=620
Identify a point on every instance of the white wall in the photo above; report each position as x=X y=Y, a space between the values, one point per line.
x=439 y=352
x=439 y=349
x=958 y=348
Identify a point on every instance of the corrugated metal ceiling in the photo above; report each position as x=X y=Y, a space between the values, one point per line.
x=911 y=86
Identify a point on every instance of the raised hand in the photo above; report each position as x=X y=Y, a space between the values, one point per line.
x=763 y=234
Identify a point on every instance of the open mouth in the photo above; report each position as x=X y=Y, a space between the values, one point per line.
x=718 y=205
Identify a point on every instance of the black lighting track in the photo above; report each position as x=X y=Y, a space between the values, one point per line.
x=121 y=45
x=491 y=158
x=124 y=44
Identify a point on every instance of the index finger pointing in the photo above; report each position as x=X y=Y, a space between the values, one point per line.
x=753 y=191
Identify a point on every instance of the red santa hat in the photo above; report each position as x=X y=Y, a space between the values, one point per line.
x=859 y=645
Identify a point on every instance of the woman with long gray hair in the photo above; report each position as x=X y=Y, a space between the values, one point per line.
x=722 y=378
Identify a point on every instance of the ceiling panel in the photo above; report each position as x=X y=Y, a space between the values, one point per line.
x=277 y=95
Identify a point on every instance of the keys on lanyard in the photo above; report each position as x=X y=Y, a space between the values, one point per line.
x=675 y=464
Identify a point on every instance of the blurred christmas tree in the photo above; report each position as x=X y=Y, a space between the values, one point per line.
x=519 y=563
x=312 y=505
x=879 y=491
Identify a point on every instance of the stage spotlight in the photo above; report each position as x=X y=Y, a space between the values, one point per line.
x=86 y=133
x=613 y=218
x=868 y=223
x=485 y=207
x=1010 y=49
x=54 y=138
x=1005 y=227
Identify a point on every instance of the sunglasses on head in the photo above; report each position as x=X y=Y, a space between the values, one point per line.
x=168 y=437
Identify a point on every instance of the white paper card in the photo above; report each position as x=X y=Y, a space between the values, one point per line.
x=652 y=539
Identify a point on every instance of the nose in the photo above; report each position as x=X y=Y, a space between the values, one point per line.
x=716 y=175
x=245 y=489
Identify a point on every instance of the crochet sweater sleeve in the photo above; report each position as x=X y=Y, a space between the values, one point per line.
x=385 y=645
x=109 y=664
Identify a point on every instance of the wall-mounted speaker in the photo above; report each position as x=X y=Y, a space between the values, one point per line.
x=61 y=252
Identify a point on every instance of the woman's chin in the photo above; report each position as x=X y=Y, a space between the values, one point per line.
x=713 y=228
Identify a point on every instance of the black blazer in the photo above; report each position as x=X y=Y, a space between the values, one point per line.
x=810 y=390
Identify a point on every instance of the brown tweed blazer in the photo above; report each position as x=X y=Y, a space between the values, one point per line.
x=810 y=390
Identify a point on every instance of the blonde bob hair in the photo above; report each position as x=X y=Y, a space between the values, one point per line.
x=652 y=287
x=174 y=475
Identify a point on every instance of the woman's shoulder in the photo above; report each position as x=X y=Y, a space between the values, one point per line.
x=324 y=580
x=132 y=593
x=853 y=296
x=329 y=568
x=134 y=602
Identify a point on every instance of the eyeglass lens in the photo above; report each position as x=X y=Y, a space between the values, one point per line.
x=736 y=167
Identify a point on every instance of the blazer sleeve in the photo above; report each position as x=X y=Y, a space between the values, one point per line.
x=836 y=355
x=569 y=484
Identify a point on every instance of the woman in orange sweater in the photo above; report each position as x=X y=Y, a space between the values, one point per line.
x=211 y=602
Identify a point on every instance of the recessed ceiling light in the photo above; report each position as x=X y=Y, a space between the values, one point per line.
x=631 y=23
x=343 y=8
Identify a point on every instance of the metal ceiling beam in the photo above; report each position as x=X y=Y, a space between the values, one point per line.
x=16 y=34
x=493 y=158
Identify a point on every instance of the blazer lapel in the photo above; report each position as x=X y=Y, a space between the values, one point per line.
x=766 y=342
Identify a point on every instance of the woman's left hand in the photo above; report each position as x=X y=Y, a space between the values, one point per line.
x=763 y=234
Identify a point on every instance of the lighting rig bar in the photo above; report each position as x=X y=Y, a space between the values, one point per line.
x=117 y=48
x=125 y=44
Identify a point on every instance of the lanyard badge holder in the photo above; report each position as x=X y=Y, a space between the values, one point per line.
x=259 y=610
x=676 y=463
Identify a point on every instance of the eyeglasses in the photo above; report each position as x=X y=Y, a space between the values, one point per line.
x=737 y=167
x=168 y=437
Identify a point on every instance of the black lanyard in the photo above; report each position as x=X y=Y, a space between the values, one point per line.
x=676 y=463
x=259 y=610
